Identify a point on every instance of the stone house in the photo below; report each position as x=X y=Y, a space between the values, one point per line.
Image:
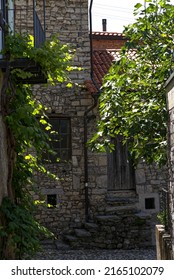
x=165 y=232
x=99 y=200
x=170 y=105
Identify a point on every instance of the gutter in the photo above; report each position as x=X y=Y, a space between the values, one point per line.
x=95 y=99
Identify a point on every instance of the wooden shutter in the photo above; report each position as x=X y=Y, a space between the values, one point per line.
x=120 y=168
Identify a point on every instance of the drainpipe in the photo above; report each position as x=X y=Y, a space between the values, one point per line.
x=86 y=179
x=95 y=98
x=44 y=16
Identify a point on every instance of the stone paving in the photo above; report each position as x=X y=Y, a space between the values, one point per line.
x=65 y=253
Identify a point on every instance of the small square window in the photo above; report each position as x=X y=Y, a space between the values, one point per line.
x=51 y=200
x=150 y=203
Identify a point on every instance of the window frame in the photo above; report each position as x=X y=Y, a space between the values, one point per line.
x=51 y=198
x=50 y=158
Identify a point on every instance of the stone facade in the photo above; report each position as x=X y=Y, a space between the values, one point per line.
x=170 y=105
x=117 y=218
x=70 y=20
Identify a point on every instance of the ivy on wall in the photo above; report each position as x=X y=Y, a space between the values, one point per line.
x=24 y=118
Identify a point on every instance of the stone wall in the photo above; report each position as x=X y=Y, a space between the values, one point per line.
x=70 y=20
x=170 y=105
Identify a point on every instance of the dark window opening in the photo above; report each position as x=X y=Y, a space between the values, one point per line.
x=60 y=140
x=51 y=200
x=150 y=203
x=121 y=173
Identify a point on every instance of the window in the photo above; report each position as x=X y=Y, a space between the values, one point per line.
x=150 y=203
x=121 y=173
x=51 y=200
x=60 y=140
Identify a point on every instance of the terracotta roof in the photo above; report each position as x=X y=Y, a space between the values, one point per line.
x=110 y=34
x=102 y=60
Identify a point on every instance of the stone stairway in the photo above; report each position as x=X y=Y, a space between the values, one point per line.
x=121 y=205
x=120 y=226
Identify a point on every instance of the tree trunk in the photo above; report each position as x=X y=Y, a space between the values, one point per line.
x=6 y=170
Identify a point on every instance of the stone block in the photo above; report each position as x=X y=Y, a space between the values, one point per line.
x=91 y=227
x=108 y=218
x=102 y=161
x=82 y=233
x=170 y=97
x=76 y=182
x=102 y=181
x=70 y=238
x=155 y=182
x=85 y=102
x=140 y=176
x=140 y=189
x=60 y=245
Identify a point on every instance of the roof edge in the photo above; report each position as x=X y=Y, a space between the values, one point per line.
x=108 y=35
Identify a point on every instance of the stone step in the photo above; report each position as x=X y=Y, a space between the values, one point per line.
x=122 y=194
x=121 y=200
x=108 y=218
x=125 y=230
x=60 y=245
x=48 y=243
x=121 y=209
x=70 y=238
x=72 y=241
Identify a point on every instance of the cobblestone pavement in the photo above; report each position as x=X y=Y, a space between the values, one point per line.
x=94 y=254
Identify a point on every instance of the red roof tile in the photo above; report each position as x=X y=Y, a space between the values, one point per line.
x=102 y=60
x=103 y=56
x=105 y=33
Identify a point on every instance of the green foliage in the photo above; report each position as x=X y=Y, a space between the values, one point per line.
x=25 y=118
x=162 y=217
x=52 y=56
x=133 y=99
x=24 y=230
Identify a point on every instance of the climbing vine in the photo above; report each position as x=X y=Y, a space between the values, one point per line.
x=24 y=119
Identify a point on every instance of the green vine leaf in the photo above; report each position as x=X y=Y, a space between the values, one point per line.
x=133 y=99
x=27 y=124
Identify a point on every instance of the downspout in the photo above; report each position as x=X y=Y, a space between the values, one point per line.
x=44 y=16
x=34 y=22
x=95 y=98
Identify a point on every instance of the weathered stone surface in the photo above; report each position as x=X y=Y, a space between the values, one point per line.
x=91 y=227
x=70 y=238
x=121 y=209
x=108 y=218
x=82 y=233
x=170 y=105
x=140 y=176
x=60 y=245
